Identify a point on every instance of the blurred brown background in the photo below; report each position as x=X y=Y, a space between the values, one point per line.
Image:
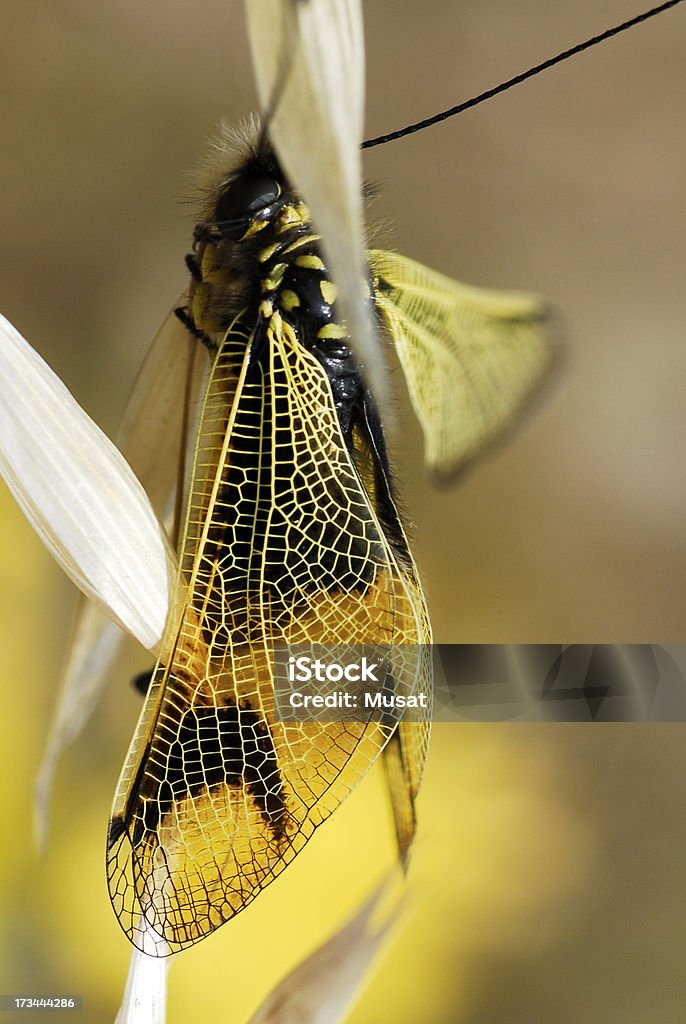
x=548 y=876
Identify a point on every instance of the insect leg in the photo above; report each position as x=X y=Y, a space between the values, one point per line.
x=193 y=267
x=188 y=322
x=142 y=681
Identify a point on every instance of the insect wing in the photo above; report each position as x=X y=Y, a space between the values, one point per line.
x=404 y=758
x=161 y=414
x=472 y=358
x=153 y=438
x=282 y=546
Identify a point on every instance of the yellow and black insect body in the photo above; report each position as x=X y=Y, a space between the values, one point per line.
x=292 y=536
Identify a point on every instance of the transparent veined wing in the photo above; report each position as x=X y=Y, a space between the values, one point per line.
x=472 y=358
x=404 y=760
x=282 y=545
x=158 y=422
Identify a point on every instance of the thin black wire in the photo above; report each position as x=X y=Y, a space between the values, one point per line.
x=380 y=140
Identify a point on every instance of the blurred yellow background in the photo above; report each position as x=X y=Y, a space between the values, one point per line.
x=548 y=881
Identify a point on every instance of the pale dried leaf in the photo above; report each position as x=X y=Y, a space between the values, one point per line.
x=80 y=495
x=145 y=995
x=309 y=65
x=323 y=987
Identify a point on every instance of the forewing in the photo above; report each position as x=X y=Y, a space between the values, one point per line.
x=162 y=413
x=472 y=358
x=153 y=437
x=282 y=546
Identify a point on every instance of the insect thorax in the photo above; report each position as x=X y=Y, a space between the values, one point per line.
x=255 y=254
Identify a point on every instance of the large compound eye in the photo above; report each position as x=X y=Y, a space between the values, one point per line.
x=244 y=198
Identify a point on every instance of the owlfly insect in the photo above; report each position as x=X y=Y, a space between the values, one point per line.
x=292 y=535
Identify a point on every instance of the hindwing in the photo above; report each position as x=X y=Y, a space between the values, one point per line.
x=472 y=358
